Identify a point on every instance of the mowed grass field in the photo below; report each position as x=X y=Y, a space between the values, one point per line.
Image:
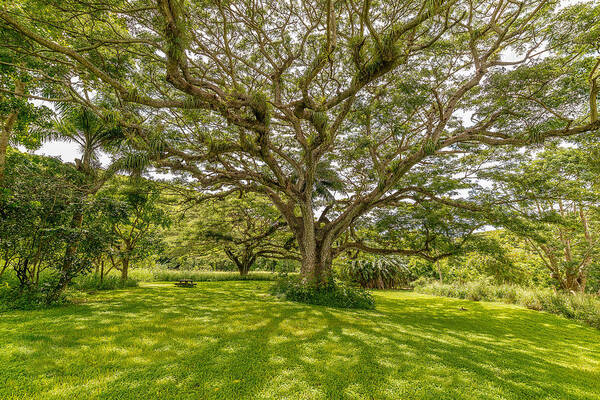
x=232 y=340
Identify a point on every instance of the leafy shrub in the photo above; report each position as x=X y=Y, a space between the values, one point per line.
x=560 y=304
x=142 y=274
x=507 y=292
x=13 y=297
x=529 y=299
x=40 y=199
x=580 y=306
x=586 y=308
x=334 y=294
x=379 y=273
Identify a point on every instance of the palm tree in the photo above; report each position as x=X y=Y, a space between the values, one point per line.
x=327 y=182
x=80 y=125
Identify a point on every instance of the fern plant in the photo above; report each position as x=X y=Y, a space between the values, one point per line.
x=379 y=273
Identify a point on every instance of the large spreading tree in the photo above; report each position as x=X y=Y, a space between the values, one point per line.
x=243 y=228
x=254 y=96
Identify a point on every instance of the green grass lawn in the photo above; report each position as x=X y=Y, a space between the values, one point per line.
x=232 y=340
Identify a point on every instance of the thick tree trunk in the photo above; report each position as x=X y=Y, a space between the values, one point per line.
x=314 y=236
x=243 y=262
x=244 y=269
x=574 y=283
x=247 y=262
x=317 y=258
x=316 y=271
x=124 y=268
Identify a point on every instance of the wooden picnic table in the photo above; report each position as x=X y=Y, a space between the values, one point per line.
x=185 y=283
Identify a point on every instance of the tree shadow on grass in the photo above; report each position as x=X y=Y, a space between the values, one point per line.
x=233 y=341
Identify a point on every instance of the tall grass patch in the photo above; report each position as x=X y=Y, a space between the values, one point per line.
x=159 y=275
x=580 y=306
x=109 y=282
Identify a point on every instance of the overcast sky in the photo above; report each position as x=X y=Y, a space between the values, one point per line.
x=67 y=152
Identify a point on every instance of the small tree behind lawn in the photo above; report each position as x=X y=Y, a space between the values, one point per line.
x=80 y=125
x=243 y=228
x=555 y=211
x=135 y=217
x=37 y=204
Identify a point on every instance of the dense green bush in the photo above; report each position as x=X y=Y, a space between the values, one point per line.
x=15 y=297
x=580 y=306
x=334 y=294
x=48 y=226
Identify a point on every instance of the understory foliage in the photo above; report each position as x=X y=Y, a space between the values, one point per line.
x=334 y=294
x=53 y=231
x=377 y=273
x=39 y=203
x=15 y=297
x=577 y=306
x=92 y=282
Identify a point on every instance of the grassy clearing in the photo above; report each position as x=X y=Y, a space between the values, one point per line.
x=232 y=340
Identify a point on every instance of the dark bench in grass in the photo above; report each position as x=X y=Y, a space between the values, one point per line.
x=185 y=283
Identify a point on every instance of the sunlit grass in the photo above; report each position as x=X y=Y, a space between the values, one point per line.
x=231 y=340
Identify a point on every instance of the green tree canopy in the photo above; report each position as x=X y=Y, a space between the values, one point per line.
x=552 y=204
x=243 y=228
x=135 y=217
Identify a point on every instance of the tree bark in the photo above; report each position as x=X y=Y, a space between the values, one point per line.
x=574 y=282
x=6 y=131
x=316 y=252
x=244 y=269
x=102 y=271
x=317 y=259
x=124 y=268
x=439 y=269
x=243 y=263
